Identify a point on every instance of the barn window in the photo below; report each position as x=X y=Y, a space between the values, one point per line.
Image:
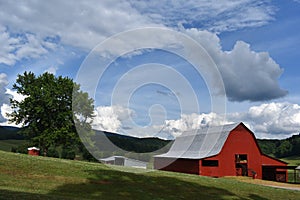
x=241 y=158
x=210 y=163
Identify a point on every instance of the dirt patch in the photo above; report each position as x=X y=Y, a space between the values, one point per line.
x=290 y=186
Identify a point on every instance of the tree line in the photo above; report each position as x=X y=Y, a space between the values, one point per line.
x=281 y=148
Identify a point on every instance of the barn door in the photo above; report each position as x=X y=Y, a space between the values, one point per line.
x=241 y=164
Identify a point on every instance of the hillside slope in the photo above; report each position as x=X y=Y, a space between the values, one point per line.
x=28 y=177
x=289 y=147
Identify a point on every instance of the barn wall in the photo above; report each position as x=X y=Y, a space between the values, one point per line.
x=213 y=171
x=240 y=141
x=271 y=173
x=177 y=165
x=266 y=160
x=34 y=152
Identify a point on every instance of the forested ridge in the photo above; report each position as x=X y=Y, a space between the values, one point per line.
x=274 y=147
x=281 y=148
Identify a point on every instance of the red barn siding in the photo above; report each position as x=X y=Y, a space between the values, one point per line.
x=189 y=166
x=239 y=141
x=210 y=171
x=33 y=152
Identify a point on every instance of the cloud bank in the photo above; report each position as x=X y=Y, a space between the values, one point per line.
x=38 y=28
x=4 y=97
x=272 y=120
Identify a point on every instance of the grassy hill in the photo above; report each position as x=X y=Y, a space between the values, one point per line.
x=28 y=177
x=7 y=145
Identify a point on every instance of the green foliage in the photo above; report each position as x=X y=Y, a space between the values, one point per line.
x=68 y=153
x=47 y=113
x=86 y=155
x=51 y=152
x=20 y=148
x=281 y=148
x=128 y=143
x=284 y=149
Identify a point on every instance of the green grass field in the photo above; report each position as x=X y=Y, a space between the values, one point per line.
x=293 y=160
x=28 y=177
x=6 y=145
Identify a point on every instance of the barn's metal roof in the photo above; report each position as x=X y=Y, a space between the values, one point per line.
x=200 y=143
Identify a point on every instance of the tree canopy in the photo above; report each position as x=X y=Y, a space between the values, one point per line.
x=52 y=109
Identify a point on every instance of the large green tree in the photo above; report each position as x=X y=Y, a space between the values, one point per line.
x=52 y=109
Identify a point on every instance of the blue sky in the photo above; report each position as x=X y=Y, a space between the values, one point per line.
x=154 y=83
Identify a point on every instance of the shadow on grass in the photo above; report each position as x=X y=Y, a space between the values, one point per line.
x=109 y=184
x=8 y=194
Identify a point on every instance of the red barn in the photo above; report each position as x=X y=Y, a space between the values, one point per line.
x=33 y=151
x=229 y=150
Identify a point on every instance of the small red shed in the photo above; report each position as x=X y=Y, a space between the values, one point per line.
x=33 y=151
x=229 y=150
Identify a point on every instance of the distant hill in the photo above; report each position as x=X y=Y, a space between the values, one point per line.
x=281 y=148
x=278 y=148
x=10 y=133
x=128 y=143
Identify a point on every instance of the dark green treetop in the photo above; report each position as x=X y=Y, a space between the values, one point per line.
x=52 y=109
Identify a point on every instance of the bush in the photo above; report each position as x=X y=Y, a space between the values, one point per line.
x=86 y=155
x=68 y=153
x=52 y=152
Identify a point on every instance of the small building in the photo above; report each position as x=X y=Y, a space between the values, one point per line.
x=229 y=150
x=123 y=161
x=34 y=151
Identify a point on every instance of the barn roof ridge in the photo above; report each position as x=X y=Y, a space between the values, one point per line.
x=211 y=129
x=200 y=143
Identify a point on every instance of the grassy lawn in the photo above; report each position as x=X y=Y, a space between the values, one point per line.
x=28 y=177
x=6 y=145
x=293 y=160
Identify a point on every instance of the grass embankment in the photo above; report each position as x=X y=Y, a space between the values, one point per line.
x=7 y=145
x=28 y=177
x=293 y=160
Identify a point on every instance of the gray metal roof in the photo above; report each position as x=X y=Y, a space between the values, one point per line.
x=200 y=143
x=112 y=158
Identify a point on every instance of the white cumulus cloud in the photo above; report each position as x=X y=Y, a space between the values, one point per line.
x=4 y=97
x=110 y=118
x=270 y=120
x=23 y=46
x=247 y=75
x=274 y=118
x=192 y=122
x=37 y=27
